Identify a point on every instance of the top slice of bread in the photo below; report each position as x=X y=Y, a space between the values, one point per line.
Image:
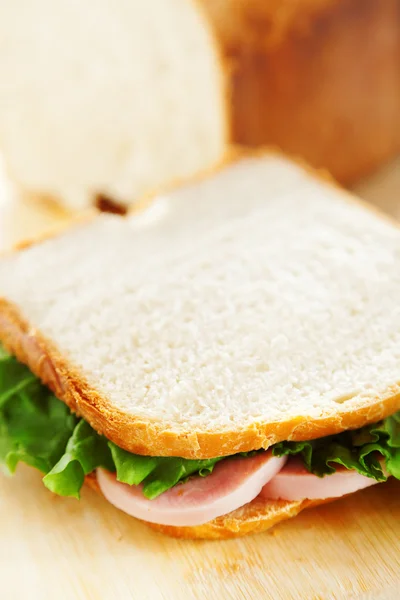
x=258 y=304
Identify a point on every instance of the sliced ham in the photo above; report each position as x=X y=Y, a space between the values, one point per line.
x=232 y=484
x=294 y=482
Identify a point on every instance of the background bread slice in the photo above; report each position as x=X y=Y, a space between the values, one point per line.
x=319 y=78
x=257 y=305
x=108 y=98
x=139 y=99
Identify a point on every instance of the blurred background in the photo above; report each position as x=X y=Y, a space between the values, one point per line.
x=102 y=103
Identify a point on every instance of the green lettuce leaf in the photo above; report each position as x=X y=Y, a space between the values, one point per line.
x=85 y=451
x=171 y=471
x=157 y=473
x=38 y=429
x=373 y=450
x=34 y=425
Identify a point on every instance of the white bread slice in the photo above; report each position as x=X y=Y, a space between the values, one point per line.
x=256 y=305
x=113 y=98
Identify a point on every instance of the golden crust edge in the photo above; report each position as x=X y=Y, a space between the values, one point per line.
x=236 y=152
x=151 y=437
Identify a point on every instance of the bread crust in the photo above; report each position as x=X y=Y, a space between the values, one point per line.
x=236 y=152
x=153 y=437
x=318 y=78
x=224 y=64
x=156 y=438
x=255 y=517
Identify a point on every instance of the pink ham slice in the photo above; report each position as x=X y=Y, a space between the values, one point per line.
x=294 y=482
x=233 y=483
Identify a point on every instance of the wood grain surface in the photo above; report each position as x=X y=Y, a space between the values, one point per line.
x=61 y=549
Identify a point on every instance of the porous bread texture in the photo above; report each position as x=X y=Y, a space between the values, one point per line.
x=255 y=517
x=108 y=98
x=257 y=305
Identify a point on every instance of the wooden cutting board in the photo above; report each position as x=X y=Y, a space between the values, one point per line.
x=61 y=549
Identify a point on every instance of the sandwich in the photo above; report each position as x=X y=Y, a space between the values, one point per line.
x=213 y=363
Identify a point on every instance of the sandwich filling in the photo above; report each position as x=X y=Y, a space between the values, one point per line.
x=40 y=430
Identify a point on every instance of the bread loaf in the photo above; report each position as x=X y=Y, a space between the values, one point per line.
x=318 y=78
x=108 y=99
